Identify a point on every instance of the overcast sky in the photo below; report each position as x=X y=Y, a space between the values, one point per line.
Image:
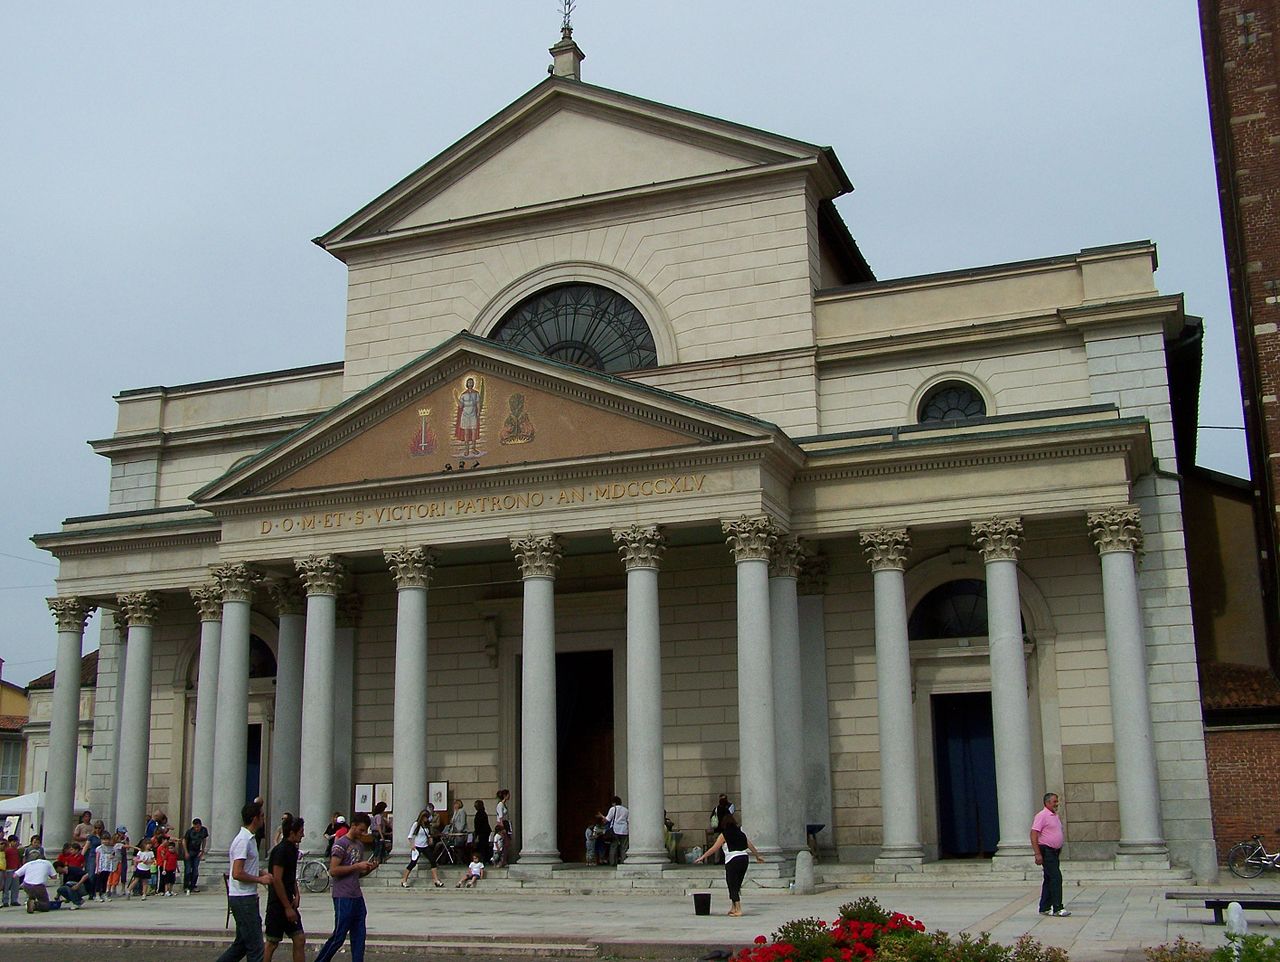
x=166 y=164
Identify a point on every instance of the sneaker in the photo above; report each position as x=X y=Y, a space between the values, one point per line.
x=1046 y=911
x=144 y=897
x=70 y=905
x=1062 y=913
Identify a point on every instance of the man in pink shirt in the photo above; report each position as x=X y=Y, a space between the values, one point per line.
x=1046 y=842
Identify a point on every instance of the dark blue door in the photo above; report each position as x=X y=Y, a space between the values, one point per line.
x=965 y=766
x=253 y=770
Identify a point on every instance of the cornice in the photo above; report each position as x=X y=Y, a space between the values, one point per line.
x=84 y=547
x=1128 y=437
x=230 y=430
x=1165 y=311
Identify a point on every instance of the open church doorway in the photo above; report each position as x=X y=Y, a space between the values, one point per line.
x=584 y=745
x=965 y=769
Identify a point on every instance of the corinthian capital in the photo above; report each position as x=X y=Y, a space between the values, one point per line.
x=1116 y=529
x=538 y=555
x=786 y=557
x=641 y=545
x=237 y=580
x=750 y=539
x=411 y=567
x=139 y=608
x=208 y=599
x=322 y=574
x=71 y=614
x=998 y=538
x=886 y=548
x=287 y=596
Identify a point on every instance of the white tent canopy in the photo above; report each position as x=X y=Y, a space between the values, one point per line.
x=31 y=804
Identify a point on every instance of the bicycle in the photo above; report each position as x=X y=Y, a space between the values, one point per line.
x=1250 y=859
x=313 y=873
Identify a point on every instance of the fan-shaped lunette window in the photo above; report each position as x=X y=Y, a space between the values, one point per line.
x=951 y=401
x=583 y=324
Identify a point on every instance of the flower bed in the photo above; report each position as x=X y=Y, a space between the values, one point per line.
x=865 y=930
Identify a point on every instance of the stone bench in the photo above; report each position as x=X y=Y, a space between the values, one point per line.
x=1218 y=901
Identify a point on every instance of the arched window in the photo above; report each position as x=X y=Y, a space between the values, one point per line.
x=584 y=324
x=951 y=401
x=956 y=609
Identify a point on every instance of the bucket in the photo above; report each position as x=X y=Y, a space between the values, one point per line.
x=701 y=903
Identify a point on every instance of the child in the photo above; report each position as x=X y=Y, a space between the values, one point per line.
x=167 y=860
x=498 y=843
x=106 y=861
x=142 y=863
x=475 y=872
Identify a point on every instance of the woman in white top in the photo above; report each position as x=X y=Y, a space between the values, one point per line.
x=502 y=810
x=420 y=837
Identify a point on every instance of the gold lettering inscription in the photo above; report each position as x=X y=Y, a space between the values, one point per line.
x=512 y=501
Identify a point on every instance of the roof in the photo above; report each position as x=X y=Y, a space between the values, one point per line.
x=1224 y=687
x=12 y=723
x=88 y=675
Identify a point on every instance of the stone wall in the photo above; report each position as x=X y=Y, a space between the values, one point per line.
x=1244 y=781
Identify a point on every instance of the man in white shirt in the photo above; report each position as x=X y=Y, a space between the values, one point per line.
x=32 y=876
x=242 y=888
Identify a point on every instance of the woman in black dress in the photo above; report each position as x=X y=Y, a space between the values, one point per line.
x=737 y=849
x=480 y=832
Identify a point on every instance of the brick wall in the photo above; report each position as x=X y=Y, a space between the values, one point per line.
x=1244 y=780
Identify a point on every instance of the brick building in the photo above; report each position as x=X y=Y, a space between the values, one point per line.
x=1239 y=662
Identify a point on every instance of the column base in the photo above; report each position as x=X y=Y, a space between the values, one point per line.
x=1142 y=855
x=531 y=858
x=900 y=859
x=654 y=856
x=1012 y=857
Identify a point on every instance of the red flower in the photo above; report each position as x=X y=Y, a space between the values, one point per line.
x=761 y=940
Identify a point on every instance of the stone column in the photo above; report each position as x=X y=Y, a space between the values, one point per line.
x=411 y=570
x=886 y=550
x=539 y=559
x=208 y=599
x=344 y=702
x=752 y=540
x=815 y=708
x=231 y=724
x=71 y=615
x=788 y=692
x=138 y=611
x=1117 y=533
x=999 y=540
x=286 y=737
x=642 y=547
x=323 y=576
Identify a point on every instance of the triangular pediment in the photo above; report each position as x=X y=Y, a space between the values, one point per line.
x=469 y=405
x=564 y=141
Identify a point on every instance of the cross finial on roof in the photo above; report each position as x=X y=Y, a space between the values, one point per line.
x=567 y=56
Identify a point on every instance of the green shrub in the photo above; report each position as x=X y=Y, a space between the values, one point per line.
x=1180 y=950
x=865 y=909
x=1253 y=948
x=940 y=947
x=810 y=937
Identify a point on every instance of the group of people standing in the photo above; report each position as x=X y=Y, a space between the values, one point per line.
x=97 y=865
x=438 y=836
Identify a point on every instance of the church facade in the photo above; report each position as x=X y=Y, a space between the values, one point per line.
x=633 y=479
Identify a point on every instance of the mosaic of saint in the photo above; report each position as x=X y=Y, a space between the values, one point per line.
x=469 y=418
